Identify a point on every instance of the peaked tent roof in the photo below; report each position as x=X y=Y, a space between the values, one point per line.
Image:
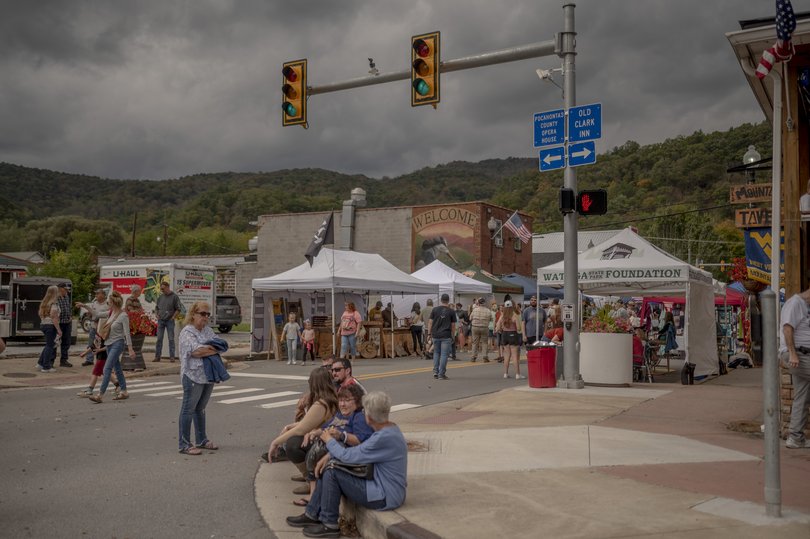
x=498 y=286
x=450 y=281
x=530 y=287
x=627 y=264
x=346 y=271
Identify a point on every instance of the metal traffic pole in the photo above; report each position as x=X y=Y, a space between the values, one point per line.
x=571 y=377
x=770 y=404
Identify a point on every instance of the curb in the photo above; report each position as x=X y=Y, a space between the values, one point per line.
x=389 y=525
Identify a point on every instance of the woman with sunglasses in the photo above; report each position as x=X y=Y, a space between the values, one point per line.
x=196 y=387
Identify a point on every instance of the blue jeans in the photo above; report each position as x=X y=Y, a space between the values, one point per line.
x=114 y=352
x=91 y=338
x=195 y=399
x=167 y=325
x=48 y=354
x=292 y=350
x=348 y=343
x=324 y=505
x=441 y=349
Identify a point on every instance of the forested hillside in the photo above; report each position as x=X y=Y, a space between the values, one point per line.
x=664 y=189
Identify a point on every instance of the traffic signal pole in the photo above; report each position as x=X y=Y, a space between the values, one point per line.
x=571 y=378
x=512 y=54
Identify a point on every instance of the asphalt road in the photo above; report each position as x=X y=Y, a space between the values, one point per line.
x=71 y=468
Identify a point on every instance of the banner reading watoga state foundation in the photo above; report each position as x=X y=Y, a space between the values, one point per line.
x=445 y=233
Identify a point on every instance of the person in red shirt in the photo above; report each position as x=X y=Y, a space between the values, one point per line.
x=349 y=324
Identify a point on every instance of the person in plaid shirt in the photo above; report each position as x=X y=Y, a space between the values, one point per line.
x=65 y=319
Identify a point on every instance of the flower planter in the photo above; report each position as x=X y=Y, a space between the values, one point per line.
x=752 y=286
x=606 y=358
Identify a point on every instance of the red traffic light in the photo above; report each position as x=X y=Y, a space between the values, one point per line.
x=290 y=74
x=421 y=47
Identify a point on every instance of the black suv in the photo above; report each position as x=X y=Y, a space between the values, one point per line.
x=229 y=313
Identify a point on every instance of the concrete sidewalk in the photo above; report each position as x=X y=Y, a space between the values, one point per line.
x=598 y=462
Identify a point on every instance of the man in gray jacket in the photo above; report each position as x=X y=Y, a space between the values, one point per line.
x=167 y=308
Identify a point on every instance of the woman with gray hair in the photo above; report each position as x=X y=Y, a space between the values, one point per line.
x=386 y=450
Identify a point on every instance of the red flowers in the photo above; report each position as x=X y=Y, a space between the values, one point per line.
x=739 y=270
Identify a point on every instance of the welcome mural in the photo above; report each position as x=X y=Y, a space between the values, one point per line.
x=445 y=233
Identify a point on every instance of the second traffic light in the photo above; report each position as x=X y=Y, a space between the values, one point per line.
x=425 y=63
x=592 y=202
x=294 y=105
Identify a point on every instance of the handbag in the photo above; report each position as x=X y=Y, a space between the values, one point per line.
x=104 y=330
x=363 y=471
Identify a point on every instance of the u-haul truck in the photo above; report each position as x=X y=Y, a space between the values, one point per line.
x=190 y=282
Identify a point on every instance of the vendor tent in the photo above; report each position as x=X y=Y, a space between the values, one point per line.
x=627 y=264
x=530 y=287
x=335 y=272
x=450 y=282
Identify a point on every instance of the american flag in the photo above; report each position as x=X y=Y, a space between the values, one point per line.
x=783 y=49
x=518 y=228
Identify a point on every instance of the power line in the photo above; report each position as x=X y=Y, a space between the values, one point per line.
x=603 y=225
x=696 y=241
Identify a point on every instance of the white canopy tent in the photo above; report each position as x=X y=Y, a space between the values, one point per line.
x=628 y=265
x=450 y=282
x=332 y=272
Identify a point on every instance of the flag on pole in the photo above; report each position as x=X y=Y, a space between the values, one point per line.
x=518 y=228
x=782 y=51
x=324 y=235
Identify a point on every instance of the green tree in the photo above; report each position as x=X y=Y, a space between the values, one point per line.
x=62 y=232
x=76 y=264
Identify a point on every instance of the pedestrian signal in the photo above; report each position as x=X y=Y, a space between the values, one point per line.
x=592 y=202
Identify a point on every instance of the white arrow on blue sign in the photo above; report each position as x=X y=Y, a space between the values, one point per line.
x=582 y=153
x=552 y=158
x=549 y=128
x=585 y=122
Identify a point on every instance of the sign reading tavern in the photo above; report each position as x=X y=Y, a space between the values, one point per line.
x=753 y=217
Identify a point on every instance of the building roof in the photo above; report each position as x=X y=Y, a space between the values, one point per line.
x=11 y=263
x=32 y=257
x=554 y=242
x=219 y=261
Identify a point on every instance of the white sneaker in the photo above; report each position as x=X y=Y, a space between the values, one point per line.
x=295 y=363
x=289 y=362
x=51 y=370
x=85 y=393
x=519 y=377
x=505 y=376
x=793 y=444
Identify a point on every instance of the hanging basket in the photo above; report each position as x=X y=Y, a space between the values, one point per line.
x=752 y=286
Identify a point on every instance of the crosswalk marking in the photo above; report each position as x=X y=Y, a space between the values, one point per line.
x=260 y=397
x=139 y=383
x=141 y=389
x=236 y=391
x=170 y=393
x=269 y=376
x=279 y=404
x=398 y=407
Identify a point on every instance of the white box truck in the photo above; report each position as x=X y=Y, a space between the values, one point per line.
x=191 y=282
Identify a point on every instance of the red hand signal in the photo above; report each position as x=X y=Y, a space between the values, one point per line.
x=586 y=203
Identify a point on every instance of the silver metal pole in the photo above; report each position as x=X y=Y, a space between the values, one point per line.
x=776 y=197
x=572 y=379
x=512 y=54
x=770 y=391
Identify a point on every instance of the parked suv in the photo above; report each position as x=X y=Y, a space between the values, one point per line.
x=229 y=313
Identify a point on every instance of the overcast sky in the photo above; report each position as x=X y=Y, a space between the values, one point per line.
x=162 y=89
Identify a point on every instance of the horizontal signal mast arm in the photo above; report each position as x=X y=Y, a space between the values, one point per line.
x=512 y=54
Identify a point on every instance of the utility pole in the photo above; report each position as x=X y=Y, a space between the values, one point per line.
x=571 y=378
x=165 y=237
x=134 y=227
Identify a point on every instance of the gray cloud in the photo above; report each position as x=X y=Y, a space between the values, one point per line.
x=155 y=89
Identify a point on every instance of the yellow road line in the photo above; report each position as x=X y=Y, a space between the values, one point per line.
x=413 y=371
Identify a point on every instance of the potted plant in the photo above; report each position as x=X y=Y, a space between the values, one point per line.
x=739 y=272
x=606 y=349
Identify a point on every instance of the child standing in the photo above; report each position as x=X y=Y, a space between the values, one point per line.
x=100 y=352
x=308 y=339
x=291 y=332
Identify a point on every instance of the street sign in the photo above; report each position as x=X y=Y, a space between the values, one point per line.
x=581 y=153
x=752 y=217
x=750 y=192
x=549 y=128
x=567 y=312
x=552 y=158
x=585 y=122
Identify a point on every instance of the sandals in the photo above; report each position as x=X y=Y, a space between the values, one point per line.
x=121 y=396
x=209 y=445
x=301 y=502
x=191 y=451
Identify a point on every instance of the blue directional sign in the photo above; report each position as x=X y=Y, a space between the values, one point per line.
x=585 y=122
x=581 y=153
x=549 y=128
x=552 y=158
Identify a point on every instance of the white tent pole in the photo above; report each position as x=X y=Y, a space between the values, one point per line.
x=393 y=355
x=334 y=314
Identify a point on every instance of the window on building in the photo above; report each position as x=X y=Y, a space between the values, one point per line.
x=498 y=239
x=518 y=244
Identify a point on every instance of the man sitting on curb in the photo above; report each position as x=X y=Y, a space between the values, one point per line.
x=342 y=375
x=386 y=450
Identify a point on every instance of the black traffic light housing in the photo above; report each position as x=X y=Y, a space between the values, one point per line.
x=567 y=200
x=592 y=202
